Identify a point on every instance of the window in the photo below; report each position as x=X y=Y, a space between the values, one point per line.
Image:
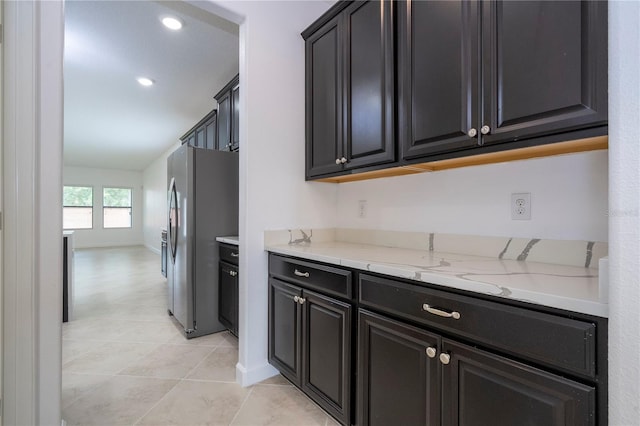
x=77 y=207
x=116 y=206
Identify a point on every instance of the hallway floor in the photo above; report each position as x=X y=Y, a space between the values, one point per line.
x=126 y=362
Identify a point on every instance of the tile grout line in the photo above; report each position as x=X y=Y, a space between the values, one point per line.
x=242 y=405
x=174 y=386
x=158 y=401
x=199 y=363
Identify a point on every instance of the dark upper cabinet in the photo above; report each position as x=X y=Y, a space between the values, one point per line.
x=438 y=76
x=398 y=374
x=481 y=73
x=203 y=134
x=544 y=66
x=211 y=131
x=224 y=123
x=200 y=137
x=473 y=381
x=324 y=100
x=350 y=90
x=235 y=118
x=190 y=139
x=228 y=116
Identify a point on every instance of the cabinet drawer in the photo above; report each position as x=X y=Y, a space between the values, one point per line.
x=327 y=279
x=229 y=253
x=552 y=340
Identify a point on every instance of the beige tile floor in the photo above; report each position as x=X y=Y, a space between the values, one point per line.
x=125 y=361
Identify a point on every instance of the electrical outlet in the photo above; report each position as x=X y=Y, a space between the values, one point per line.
x=521 y=206
x=362 y=209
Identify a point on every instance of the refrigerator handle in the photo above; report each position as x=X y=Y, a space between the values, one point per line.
x=173 y=222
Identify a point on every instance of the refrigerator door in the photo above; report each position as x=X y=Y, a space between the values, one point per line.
x=182 y=290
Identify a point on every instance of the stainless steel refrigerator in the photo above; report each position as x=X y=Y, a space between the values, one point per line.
x=202 y=205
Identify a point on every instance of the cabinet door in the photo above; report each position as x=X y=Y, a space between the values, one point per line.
x=211 y=131
x=191 y=139
x=326 y=373
x=235 y=118
x=544 y=67
x=324 y=134
x=438 y=76
x=200 y=137
x=228 y=296
x=398 y=383
x=224 y=123
x=480 y=389
x=284 y=329
x=369 y=83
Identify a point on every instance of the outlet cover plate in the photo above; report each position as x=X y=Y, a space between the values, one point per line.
x=521 y=206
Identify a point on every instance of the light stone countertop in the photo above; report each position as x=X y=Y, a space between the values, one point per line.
x=229 y=240
x=573 y=288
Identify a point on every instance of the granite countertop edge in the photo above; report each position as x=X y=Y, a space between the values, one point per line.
x=569 y=288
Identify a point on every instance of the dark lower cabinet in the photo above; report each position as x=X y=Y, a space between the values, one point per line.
x=326 y=353
x=398 y=383
x=480 y=388
x=310 y=343
x=285 y=329
x=228 y=296
x=409 y=376
x=430 y=356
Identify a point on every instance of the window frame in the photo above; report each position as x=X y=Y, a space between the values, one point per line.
x=92 y=206
x=130 y=207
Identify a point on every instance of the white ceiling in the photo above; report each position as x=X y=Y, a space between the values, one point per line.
x=110 y=120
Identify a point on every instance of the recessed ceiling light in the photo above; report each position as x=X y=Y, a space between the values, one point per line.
x=145 y=81
x=172 y=23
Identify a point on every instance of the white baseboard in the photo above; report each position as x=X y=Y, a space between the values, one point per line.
x=153 y=249
x=246 y=377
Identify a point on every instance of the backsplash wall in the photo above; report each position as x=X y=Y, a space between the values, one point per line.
x=568 y=199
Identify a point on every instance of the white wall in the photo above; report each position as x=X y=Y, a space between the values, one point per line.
x=99 y=178
x=624 y=207
x=154 y=198
x=568 y=199
x=273 y=193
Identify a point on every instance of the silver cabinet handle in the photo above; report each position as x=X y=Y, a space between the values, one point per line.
x=301 y=300
x=441 y=313
x=431 y=352
x=343 y=160
x=296 y=299
x=485 y=129
x=234 y=254
x=301 y=274
x=445 y=358
x=338 y=161
x=472 y=132
x=233 y=273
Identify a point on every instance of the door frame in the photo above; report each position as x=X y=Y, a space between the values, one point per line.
x=32 y=201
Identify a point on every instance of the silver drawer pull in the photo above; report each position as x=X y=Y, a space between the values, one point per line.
x=234 y=254
x=301 y=274
x=440 y=313
x=296 y=299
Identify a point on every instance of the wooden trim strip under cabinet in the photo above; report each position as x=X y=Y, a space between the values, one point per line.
x=569 y=147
